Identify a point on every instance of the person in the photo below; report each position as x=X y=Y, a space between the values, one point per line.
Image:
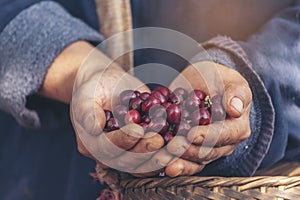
x=43 y=43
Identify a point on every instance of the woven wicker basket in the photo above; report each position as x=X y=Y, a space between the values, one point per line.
x=271 y=186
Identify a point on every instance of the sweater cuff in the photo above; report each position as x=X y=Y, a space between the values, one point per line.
x=28 y=46
x=249 y=154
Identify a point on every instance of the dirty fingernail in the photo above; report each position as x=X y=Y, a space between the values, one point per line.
x=237 y=104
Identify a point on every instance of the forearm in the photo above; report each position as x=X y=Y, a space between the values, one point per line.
x=26 y=58
x=59 y=80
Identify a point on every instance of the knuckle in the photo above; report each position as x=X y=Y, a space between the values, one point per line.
x=236 y=74
x=227 y=137
x=247 y=90
x=247 y=132
x=236 y=132
x=230 y=134
x=196 y=135
x=212 y=155
x=229 y=152
x=246 y=135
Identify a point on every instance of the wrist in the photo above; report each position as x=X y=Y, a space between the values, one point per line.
x=59 y=80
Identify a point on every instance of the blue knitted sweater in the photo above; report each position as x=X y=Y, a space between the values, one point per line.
x=262 y=43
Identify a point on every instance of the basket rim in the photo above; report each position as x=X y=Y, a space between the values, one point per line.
x=244 y=183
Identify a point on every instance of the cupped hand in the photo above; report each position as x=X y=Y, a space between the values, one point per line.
x=204 y=144
x=125 y=149
x=95 y=80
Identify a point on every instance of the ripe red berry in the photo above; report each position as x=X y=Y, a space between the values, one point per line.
x=157 y=111
x=148 y=103
x=166 y=105
x=158 y=125
x=146 y=119
x=126 y=95
x=218 y=113
x=185 y=115
x=199 y=94
x=164 y=90
x=174 y=113
x=168 y=136
x=201 y=117
x=192 y=103
x=108 y=114
x=165 y=112
x=112 y=124
x=137 y=93
x=144 y=95
x=181 y=93
x=135 y=103
x=120 y=111
x=217 y=99
x=174 y=99
x=159 y=96
x=133 y=116
x=182 y=128
x=205 y=105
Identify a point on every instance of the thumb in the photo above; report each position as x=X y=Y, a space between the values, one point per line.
x=236 y=99
x=89 y=115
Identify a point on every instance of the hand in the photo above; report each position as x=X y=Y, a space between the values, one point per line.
x=205 y=144
x=124 y=149
x=91 y=96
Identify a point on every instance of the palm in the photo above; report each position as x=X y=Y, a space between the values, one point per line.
x=224 y=136
x=89 y=101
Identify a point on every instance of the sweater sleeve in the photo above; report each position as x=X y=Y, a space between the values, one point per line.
x=29 y=43
x=269 y=60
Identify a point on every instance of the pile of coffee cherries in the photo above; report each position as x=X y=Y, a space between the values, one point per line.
x=165 y=112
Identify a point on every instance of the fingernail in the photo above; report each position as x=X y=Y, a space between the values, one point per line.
x=151 y=147
x=237 y=104
x=178 y=173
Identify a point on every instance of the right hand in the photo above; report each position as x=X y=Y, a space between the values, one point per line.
x=114 y=149
x=91 y=96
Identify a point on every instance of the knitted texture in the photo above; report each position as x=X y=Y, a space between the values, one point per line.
x=28 y=46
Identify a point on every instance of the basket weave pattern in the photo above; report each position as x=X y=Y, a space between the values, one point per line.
x=280 y=182
x=260 y=187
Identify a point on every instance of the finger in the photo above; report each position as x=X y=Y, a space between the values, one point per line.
x=157 y=162
x=123 y=141
x=126 y=137
x=109 y=145
x=143 y=88
x=82 y=149
x=180 y=167
x=140 y=153
x=180 y=147
x=151 y=142
x=89 y=115
x=148 y=174
x=237 y=98
x=227 y=132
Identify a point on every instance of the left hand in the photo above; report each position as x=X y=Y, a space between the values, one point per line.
x=205 y=144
